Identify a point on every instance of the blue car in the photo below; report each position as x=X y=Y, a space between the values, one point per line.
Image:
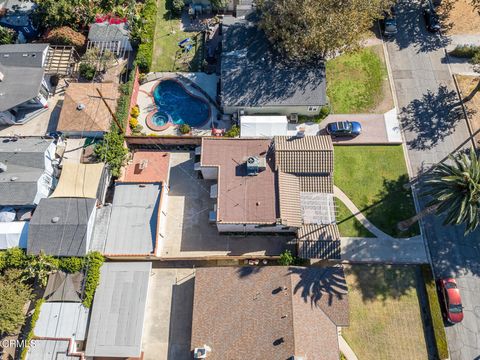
x=344 y=129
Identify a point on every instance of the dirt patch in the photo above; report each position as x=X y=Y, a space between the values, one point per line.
x=385 y=103
x=470 y=93
x=459 y=17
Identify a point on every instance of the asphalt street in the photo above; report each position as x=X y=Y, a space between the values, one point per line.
x=433 y=126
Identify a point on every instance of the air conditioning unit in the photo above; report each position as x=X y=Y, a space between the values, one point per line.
x=255 y=165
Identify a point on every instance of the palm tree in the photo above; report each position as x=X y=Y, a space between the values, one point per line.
x=455 y=192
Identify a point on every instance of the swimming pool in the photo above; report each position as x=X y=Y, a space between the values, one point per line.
x=175 y=105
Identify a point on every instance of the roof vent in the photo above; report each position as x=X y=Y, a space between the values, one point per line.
x=3 y=167
x=80 y=107
x=255 y=164
x=55 y=219
x=143 y=165
x=14 y=178
x=201 y=352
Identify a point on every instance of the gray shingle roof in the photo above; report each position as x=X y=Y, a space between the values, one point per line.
x=50 y=350
x=254 y=75
x=25 y=160
x=108 y=32
x=22 y=55
x=67 y=236
x=133 y=222
x=118 y=312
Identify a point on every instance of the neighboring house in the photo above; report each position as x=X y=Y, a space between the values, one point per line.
x=275 y=313
x=118 y=311
x=26 y=171
x=255 y=79
x=16 y=15
x=284 y=185
x=112 y=34
x=23 y=88
x=135 y=223
x=62 y=227
x=83 y=111
x=83 y=181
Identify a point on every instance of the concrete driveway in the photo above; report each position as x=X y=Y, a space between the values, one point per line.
x=168 y=318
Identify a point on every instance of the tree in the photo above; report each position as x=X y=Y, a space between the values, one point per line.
x=14 y=294
x=455 y=191
x=112 y=151
x=7 y=36
x=40 y=267
x=56 y=13
x=219 y=4
x=66 y=36
x=310 y=29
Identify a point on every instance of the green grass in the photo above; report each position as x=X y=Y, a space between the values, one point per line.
x=385 y=317
x=355 y=81
x=435 y=313
x=166 y=56
x=347 y=224
x=373 y=178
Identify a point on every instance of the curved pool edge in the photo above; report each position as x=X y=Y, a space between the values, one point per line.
x=148 y=120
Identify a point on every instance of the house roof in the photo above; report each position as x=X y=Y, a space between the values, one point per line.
x=95 y=115
x=51 y=350
x=319 y=241
x=242 y=198
x=62 y=320
x=134 y=220
x=59 y=226
x=147 y=167
x=25 y=160
x=22 y=75
x=79 y=180
x=273 y=313
x=250 y=66
x=64 y=287
x=108 y=32
x=118 y=311
x=308 y=154
x=289 y=199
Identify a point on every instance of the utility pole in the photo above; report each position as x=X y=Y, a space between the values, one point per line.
x=110 y=111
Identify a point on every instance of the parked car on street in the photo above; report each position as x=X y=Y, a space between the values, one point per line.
x=389 y=23
x=451 y=299
x=432 y=21
x=344 y=128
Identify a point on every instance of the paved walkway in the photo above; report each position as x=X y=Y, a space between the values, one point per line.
x=383 y=247
x=346 y=349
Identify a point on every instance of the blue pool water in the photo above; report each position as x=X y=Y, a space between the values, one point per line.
x=176 y=105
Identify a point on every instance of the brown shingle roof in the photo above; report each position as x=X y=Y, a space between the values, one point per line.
x=242 y=198
x=289 y=199
x=270 y=312
x=310 y=154
x=95 y=116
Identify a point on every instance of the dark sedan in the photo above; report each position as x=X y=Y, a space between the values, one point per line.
x=344 y=129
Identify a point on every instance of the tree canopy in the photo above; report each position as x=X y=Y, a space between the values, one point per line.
x=14 y=294
x=309 y=29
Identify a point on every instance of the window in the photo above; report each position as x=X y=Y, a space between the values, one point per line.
x=6 y=55
x=313 y=108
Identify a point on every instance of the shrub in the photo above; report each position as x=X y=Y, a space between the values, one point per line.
x=476 y=58
x=286 y=258
x=112 y=151
x=94 y=261
x=184 y=128
x=133 y=123
x=7 y=36
x=145 y=50
x=465 y=51
x=66 y=36
x=234 y=131
x=138 y=128
x=177 y=6
x=324 y=112
x=135 y=112
x=435 y=313
x=71 y=264
x=123 y=104
x=87 y=71
x=15 y=258
x=33 y=322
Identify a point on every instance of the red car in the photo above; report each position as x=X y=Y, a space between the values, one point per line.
x=452 y=300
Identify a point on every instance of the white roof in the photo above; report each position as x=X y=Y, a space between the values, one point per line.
x=13 y=234
x=62 y=320
x=263 y=126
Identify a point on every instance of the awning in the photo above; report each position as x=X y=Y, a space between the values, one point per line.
x=79 y=180
x=263 y=126
x=13 y=234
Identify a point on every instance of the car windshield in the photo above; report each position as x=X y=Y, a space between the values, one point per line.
x=456 y=309
x=450 y=285
x=344 y=125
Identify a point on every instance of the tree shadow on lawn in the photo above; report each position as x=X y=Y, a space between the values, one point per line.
x=432 y=118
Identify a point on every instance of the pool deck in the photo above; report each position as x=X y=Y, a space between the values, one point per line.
x=208 y=83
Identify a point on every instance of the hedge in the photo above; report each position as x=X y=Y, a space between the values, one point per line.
x=94 y=262
x=145 y=50
x=71 y=264
x=465 y=51
x=30 y=335
x=435 y=313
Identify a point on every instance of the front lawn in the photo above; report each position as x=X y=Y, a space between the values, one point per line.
x=166 y=52
x=373 y=178
x=358 y=83
x=385 y=317
x=347 y=224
